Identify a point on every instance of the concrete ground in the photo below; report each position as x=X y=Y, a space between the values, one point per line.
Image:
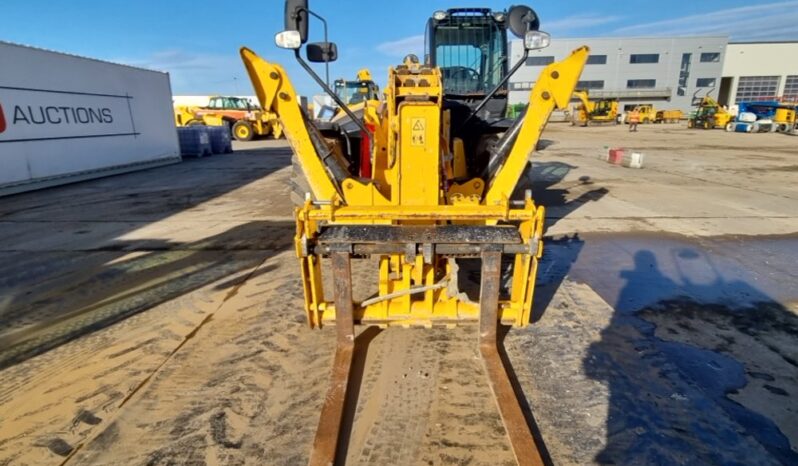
x=155 y=318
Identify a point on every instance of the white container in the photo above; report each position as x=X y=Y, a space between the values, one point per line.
x=633 y=160
x=70 y=118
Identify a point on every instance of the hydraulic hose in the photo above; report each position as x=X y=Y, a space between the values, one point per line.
x=500 y=152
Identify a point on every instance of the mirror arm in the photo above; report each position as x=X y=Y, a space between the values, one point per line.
x=326 y=64
x=334 y=97
x=496 y=89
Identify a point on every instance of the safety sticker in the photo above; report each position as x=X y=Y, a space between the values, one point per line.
x=418 y=131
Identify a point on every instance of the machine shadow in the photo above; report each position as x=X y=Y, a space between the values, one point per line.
x=86 y=278
x=545 y=180
x=676 y=356
x=115 y=290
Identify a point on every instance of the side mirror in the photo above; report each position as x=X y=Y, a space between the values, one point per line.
x=521 y=19
x=322 y=52
x=288 y=40
x=296 y=19
x=534 y=40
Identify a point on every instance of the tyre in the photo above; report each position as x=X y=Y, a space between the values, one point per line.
x=242 y=131
x=729 y=127
x=691 y=123
x=195 y=123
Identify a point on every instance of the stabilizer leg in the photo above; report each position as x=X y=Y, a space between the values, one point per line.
x=524 y=448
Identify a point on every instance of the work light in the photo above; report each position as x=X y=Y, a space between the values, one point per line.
x=534 y=40
x=288 y=39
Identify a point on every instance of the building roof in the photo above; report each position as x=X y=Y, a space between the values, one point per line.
x=710 y=36
x=754 y=42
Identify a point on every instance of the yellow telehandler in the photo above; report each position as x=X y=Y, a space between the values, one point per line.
x=443 y=164
x=244 y=120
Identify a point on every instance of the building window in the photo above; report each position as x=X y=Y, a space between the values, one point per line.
x=644 y=58
x=590 y=85
x=597 y=60
x=641 y=83
x=756 y=88
x=684 y=73
x=520 y=86
x=539 y=61
x=710 y=57
x=791 y=88
x=705 y=82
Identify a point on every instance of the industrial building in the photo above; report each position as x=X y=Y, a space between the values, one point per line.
x=759 y=71
x=669 y=71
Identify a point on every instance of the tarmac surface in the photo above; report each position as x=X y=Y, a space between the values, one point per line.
x=155 y=318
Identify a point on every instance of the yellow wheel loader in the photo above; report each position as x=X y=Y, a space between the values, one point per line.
x=444 y=165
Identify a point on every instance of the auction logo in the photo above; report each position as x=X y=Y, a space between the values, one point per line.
x=2 y=119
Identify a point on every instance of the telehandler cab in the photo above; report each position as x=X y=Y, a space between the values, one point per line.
x=442 y=169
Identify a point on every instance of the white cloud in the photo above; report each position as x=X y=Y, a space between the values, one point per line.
x=198 y=73
x=759 y=21
x=577 y=23
x=401 y=47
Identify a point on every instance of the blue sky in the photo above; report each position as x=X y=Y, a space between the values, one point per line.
x=197 y=41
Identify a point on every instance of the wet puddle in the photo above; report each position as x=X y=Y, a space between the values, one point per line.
x=701 y=353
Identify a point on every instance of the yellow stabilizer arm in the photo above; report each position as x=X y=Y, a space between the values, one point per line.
x=554 y=88
x=276 y=93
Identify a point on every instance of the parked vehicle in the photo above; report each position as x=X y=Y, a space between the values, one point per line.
x=244 y=119
x=594 y=112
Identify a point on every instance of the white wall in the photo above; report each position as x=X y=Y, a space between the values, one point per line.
x=69 y=118
x=760 y=59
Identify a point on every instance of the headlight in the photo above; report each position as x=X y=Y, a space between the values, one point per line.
x=534 y=40
x=439 y=15
x=288 y=40
x=499 y=16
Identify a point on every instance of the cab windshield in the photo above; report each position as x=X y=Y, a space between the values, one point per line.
x=229 y=103
x=471 y=54
x=352 y=92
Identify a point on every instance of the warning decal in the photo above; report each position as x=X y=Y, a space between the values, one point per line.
x=418 y=130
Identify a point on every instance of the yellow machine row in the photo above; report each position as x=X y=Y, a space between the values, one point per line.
x=430 y=197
